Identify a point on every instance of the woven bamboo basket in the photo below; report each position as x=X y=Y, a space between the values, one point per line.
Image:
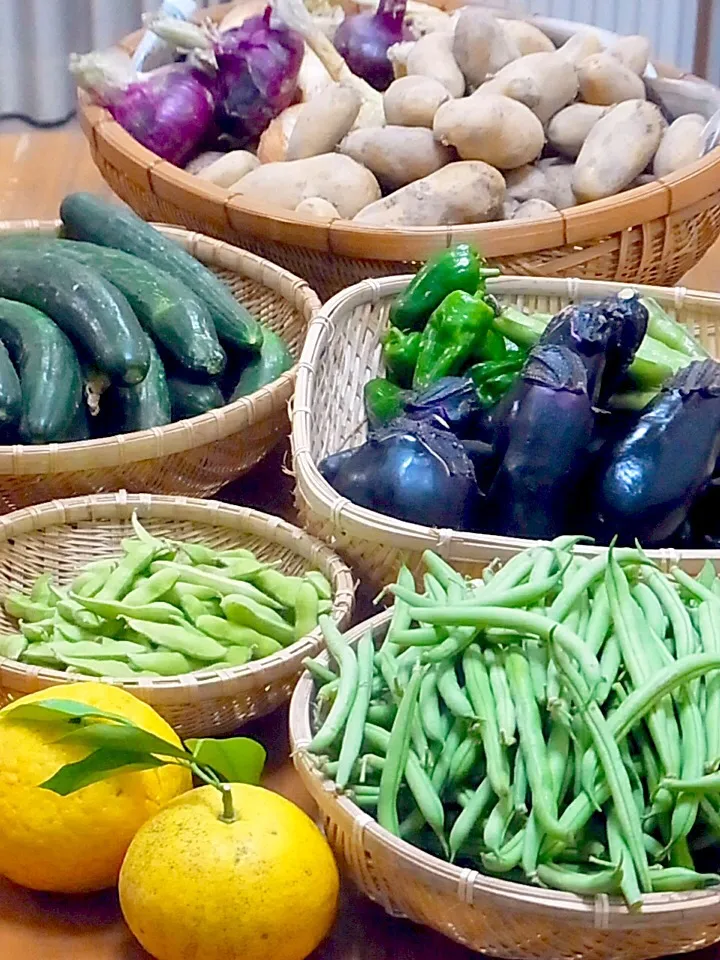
x=192 y=457
x=652 y=234
x=496 y=917
x=342 y=352
x=59 y=537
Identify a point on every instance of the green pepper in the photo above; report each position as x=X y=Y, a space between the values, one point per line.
x=459 y=268
x=384 y=401
x=490 y=348
x=400 y=352
x=451 y=336
x=493 y=379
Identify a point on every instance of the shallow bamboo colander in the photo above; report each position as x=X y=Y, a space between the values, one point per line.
x=496 y=917
x=60 y=537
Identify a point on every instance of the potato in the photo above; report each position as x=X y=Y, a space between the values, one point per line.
x=618 y=148
x=582 y=44
x=313 y=76
x=230 y=168
x=527 y=37
x=203 y=160
x=317 y=207
x=323 y=122
x=498 y=130
x=634 y=52
x=534 y=210
x=528 y=183
x=432 y=56
x=464 y=192
x=398 y=55
x=550 y=81
x=273 y=143
x=509 y=208
x=559 y=177
x=476 y=31
x=605 y=80
x=413 y=101
x=397 y=155
x=569 y=128
x=331 y=176
x=681 y=144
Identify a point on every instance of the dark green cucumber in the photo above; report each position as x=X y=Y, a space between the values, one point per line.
x=10 y=394
x=189 y=399
x=89 y=218
x=144 y=405
x=274 y=359
x=49 y=372
x=167 y=309
x=96 y=316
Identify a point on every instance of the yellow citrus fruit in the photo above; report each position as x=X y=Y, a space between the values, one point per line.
x=264 y=887
x=74 y=844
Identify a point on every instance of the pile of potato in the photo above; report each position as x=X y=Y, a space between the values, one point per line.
x=486 y=120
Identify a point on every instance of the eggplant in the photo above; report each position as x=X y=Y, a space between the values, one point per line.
x=414 y=470
x=542 y=442
x=653 y=476
x=606 y=334
x=454 y=400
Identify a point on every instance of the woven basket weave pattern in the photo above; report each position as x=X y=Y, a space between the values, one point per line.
x=193 y=457
x=342 y=352
x=60 y=537
x=490 y=915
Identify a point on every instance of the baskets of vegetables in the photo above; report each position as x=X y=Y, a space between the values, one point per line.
x=347 y=148
x=468 y=414
x=202 y=609
x=137 y=357
x=498 y=759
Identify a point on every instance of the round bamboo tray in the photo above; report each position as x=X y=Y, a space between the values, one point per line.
x=59 y=537
x=192 y=457
x=342 y=352
x=652 y=234
x=495 y=917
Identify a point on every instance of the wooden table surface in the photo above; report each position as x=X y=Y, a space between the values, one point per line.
x=36 y=171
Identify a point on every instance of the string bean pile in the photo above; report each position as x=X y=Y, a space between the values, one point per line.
x=556 y=723
x=163 y=608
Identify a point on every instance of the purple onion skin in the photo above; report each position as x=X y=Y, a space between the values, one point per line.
x=362 y=40
x=258 y=65
x=170 y=113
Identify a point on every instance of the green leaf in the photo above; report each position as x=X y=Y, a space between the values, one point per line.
x=236 y=760
x=99 y=765
x=54 y=710
x=124 y=739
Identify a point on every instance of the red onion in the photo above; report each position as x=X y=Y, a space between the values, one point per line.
x=169 y=111
x=363 y=39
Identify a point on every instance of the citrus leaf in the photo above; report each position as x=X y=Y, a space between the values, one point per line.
x=126 y=739
x=99 y=765
x=236 y=760
x=54 y=710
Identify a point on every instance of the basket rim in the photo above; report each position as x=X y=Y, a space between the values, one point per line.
x=471 y=882
x=181 y=435
x=205 y=684
x=668 y=195
x=367 y=524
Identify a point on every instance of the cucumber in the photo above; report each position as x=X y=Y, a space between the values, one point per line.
x=89 y=218
x=96 y=316
x=167 y=309
x=274 y=359
x=189 y=399
x=143 y=405
x=10 y=395
x=49 y=371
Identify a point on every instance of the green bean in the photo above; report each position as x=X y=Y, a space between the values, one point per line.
x=592 y=883
x=538 y=660
x=397 y=754
x=454 y=697
x=355 y=724
x=381 y=714
x=675 y=610
x=709 y=783
x=533 y=745
x=319 y=670
x=430 y=715
x=508 y=857
x=709 y=621
x=680 y=855
x=434 y=589
x=532 y=839
x=452 y=646
x=417 y=637
x=692 y=765
x=610 y=660
x=519 y=783
x=620 y=853
x=501 y=693
x=599 y=624
x=651 y=609
x=484 y=707
x=442 y=570
x=653 y=847
x=524 y=595
x=515 y=570
x=151 y=588
x=584 y=579
x=366 y=803
x=676 y=879
x=441 y=770
x=463 y=761
x=347 y=663
x=498 y=824
x=401 y=619
x=469 y=816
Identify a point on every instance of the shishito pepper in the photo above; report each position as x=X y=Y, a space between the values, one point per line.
x=400 y=353
x=459 y=268
x=384 y=401
x=452 y=335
